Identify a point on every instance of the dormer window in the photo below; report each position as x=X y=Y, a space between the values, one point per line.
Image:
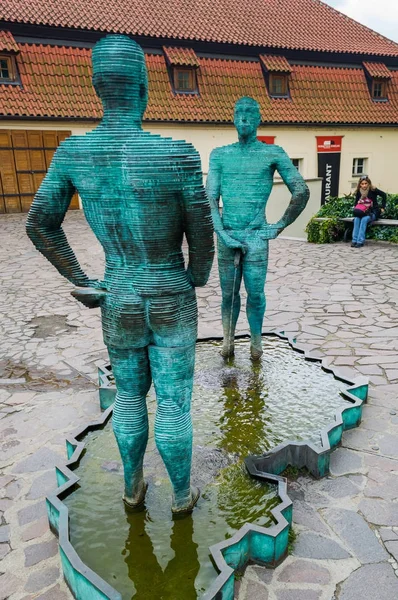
x=378 y=76
x=6 y=69
x=277 y=84
x=379 y=89
x=184 y=80
x=277 y=71
x=183 y=65
x=8 y=51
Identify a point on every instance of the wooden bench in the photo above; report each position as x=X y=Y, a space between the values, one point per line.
x=350 y=221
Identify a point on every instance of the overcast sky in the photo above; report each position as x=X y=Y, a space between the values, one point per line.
x=380 y=15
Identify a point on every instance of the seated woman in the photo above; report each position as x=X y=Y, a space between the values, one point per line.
x=367 y=194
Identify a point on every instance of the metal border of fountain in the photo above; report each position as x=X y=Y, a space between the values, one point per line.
x=252 y=543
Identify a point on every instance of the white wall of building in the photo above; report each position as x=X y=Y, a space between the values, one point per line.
x=377 y=145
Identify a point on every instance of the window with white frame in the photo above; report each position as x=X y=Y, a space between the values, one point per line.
x=298 y=163
x=358 y=166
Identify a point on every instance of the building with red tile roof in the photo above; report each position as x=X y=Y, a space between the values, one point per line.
x=313 y=71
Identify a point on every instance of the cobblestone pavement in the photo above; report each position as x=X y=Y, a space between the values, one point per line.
x=341 y=302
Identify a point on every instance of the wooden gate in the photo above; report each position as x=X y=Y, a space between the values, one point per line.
x=25 y=157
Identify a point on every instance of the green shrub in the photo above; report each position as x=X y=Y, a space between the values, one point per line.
x=331 y=230
x=325 y=232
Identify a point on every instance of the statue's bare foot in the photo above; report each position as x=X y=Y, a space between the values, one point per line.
x=136 y=501
x=227 y=350
x=255 y=353
x=187 y=508
x=256 y=350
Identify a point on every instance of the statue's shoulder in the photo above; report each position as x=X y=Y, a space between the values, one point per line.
x=172 y=147
x=224 y=151
x=72 y=144
x=271 y=149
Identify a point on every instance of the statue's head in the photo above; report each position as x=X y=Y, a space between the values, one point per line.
x=247 y=116
x=120 y=76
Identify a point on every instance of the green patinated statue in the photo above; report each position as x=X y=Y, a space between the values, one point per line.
x=242 y=175
x=140 y=194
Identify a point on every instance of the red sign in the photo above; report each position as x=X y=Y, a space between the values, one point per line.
x=266 y=139
x=330 y=143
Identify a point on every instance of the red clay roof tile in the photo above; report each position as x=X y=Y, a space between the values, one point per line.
x=183 y=57
x=377 y=70
x=56 y=82
x=278 y=64
x=294 y=24
x=7 y=42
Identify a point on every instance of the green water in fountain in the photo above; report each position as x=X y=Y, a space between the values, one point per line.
x=238 y=408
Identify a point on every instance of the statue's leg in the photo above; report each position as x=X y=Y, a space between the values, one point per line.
x=230 y=281
x=130 y=417
x=172 y=371
x=254 y=275
x=173 y=320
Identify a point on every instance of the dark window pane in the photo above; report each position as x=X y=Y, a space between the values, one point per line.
x=184 y=81
x=4 y=69
x=377 y=89
x=278 y=86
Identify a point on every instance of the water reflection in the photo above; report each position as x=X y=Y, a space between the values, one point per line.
x=151 y=580
x=245 y=423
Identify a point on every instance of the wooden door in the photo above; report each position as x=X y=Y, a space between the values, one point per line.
x=25 y=157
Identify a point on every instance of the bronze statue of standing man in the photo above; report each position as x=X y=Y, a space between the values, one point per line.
x=242 y=175
x=140 y=193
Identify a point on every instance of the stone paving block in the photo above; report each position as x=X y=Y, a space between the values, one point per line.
x=304 y=514
x=298 y=594
x=266 y=575
x=42 y=459
x=392 y=548
x=4 y=533
x=379 y=512
x=388 y=444
x=20 y=398
x=4 y=550
x=255 y=591
x=43 y=485
x=339 y=487
x=55 y=593
x=32 y=513
x=38 y=552
x=359 y=439
x=386 y=487
x=303 y=571
x=9 y=584
x=356 y=534
x=35 y=530
x=318 y=547
x=42 y=579
x=373 y=582
x=12 y=490
x=344 y=461
x=388 y=535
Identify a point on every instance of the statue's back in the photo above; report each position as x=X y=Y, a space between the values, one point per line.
x=132 y=187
